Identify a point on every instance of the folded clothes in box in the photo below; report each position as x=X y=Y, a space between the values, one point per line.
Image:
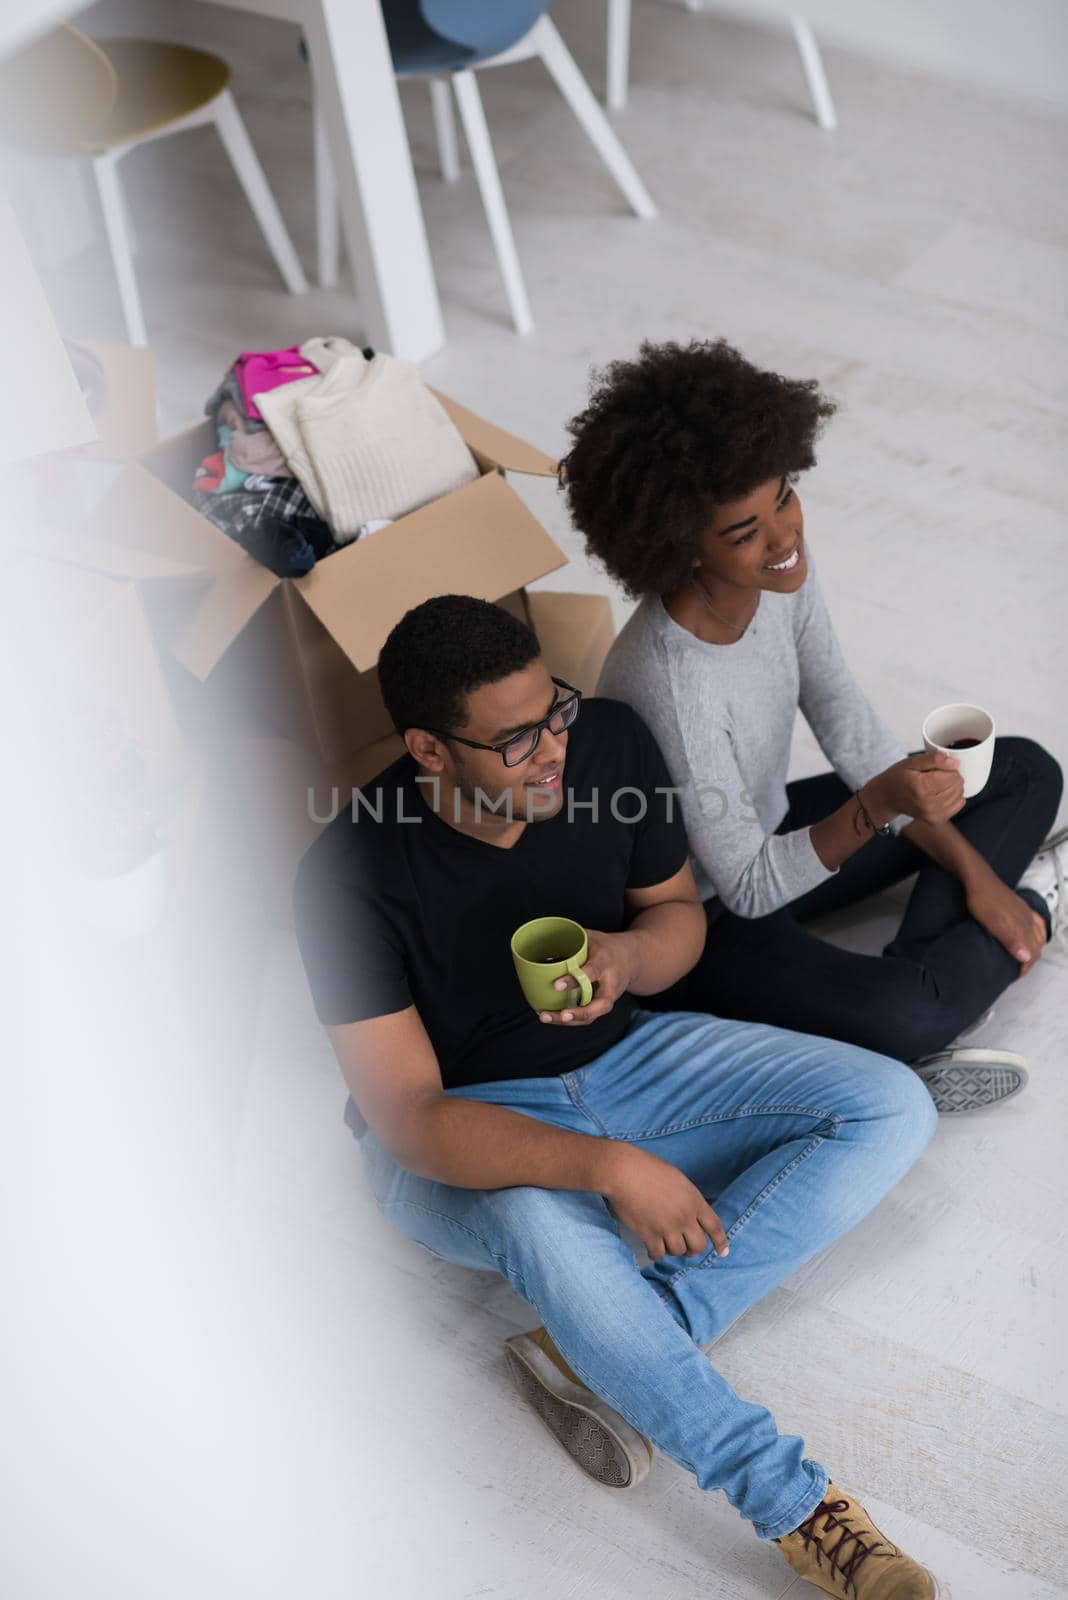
x=301 y=652
x=362 y=436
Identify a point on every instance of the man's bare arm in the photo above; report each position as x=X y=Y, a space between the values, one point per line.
x=669 y=929
x=393 y=1073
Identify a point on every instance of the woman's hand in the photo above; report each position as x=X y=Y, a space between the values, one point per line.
x=1008 y=919
x=927 y=787
x=611 y=964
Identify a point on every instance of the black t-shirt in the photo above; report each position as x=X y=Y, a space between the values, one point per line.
x=396 y=912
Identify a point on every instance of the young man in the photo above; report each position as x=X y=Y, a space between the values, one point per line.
x=682 y=478
x=516 y=1141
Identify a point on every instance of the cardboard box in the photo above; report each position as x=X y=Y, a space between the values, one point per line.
x=575 y=632
x=301 y=652
x=126 y=417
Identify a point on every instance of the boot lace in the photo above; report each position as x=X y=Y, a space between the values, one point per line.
x=843 y=1563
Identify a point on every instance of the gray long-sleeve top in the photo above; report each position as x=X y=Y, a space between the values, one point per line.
x=723 y=716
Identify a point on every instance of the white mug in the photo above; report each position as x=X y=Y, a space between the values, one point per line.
x=942 y=729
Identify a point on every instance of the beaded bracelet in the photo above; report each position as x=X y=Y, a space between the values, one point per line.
x=884 y=831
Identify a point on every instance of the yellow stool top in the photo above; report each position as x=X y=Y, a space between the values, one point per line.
x=158 y=84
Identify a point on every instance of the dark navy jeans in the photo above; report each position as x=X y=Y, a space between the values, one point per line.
x=940 y=972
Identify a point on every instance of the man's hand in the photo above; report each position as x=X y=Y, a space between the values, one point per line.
x=611 y=964
x=1008 y=919
x=928 y=787
x=656 y=1201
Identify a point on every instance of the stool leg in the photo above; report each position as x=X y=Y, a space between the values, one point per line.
x=815 y=77
x=245 y=162
x=580 y=97
x=445 y=129
x=478 y=142
x=618 y=53
x=327 y=236
x=114 y=210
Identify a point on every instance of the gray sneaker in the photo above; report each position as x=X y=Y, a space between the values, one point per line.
x=961 y=1080
x=596 y=1438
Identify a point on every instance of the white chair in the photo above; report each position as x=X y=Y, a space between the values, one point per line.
x=542 y=41
x=618 y=61
x=68 y=95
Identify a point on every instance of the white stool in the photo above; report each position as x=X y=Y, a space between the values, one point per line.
x=618 y=61
x=104 y=101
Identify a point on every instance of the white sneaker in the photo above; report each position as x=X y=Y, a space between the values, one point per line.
x=1048 y=876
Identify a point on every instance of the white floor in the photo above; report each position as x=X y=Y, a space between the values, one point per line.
x=367 y=1441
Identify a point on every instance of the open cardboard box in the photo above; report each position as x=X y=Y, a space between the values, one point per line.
x=126 y=416
x=302 y=652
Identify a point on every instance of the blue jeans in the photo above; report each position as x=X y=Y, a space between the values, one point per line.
x=792 y=1138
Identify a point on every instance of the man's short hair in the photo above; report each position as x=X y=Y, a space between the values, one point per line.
x=670 y=435
x=441 y=651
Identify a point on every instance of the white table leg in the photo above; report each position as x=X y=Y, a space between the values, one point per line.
x=356 y=97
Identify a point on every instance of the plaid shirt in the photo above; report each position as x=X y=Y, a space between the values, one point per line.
x=277 y=525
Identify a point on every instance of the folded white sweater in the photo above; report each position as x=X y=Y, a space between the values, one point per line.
x=278 y=407
x=366 y=439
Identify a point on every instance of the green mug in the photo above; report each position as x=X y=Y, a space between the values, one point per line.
x=547 y=949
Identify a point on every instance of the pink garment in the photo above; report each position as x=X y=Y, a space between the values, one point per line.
x=258 y=371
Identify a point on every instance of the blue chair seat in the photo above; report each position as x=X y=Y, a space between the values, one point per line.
x=427 y=36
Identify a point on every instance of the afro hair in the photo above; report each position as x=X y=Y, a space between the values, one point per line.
x=669 y=436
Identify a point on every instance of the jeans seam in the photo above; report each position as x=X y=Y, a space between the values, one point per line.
x=750 y=1210
x=440 y=1216
x=568 y=1080
x=817 y=1112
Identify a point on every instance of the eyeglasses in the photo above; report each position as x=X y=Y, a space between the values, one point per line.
x=521 y=746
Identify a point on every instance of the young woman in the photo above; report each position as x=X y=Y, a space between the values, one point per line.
x=682 y=477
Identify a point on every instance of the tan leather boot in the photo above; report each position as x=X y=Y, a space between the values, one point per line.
x=597 y=1438
x=840 y=1551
